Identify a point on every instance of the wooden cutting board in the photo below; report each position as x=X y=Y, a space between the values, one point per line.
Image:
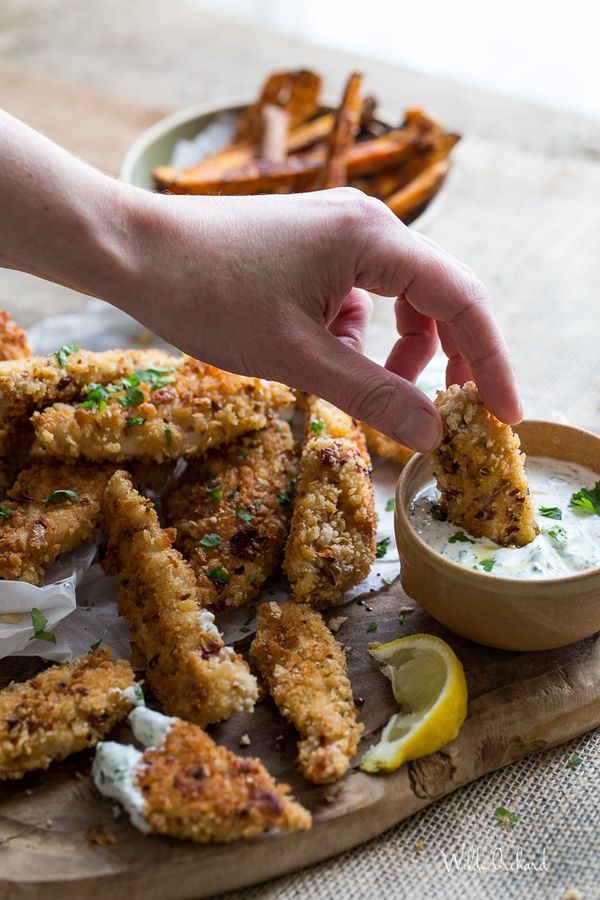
x=519 y=704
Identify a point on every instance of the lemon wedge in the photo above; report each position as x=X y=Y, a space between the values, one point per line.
x=429 y=684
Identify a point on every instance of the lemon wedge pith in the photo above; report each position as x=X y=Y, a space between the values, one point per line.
x=429 y=684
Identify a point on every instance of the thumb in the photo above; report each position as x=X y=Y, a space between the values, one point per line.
x=368 y=392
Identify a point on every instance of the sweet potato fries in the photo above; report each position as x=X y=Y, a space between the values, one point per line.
x=288 y=142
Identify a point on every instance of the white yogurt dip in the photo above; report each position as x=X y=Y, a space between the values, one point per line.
x=116 y=766
x=569 y=538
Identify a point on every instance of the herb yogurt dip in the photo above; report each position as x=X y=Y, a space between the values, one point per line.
x=567 y=512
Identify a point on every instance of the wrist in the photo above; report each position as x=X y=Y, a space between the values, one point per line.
x=159 y=272
x=110 y=248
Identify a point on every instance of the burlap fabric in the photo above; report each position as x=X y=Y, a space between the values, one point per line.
x=458 y=848
x=526 y=218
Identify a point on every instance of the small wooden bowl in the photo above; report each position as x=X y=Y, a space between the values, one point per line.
x=509 y=613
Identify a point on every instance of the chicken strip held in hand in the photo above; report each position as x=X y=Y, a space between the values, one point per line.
x=188 y=667
x=481 y=471
x=159 y=414
x=186 y=786
x=305 y=670
x=231 y=510
x=51 y=509
x=332 y=541
x=63 y=710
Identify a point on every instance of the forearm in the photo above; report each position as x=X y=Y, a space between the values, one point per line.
x=61 y=219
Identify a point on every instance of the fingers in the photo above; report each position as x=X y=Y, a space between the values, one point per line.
x=330 y=369
x=352 y=321
x=457 y=371
x=395 y=261
x=418 y=343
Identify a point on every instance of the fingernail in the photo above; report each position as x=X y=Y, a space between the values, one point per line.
x=420 y=430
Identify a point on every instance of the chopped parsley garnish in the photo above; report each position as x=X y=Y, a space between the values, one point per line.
x=317 y=426
x=243 y=515
x=487 y=564
x=231 y=495
x=382 y=547
x=243 y=455
x=216 y=492
x=133 y=396
x=250 y=618
x=155 y=377
x=558 y=533
x=288 y=497
x=386 y=581
x=39 y=622
x=574 y=761
x=210 y=540
x=460 y=536
x=551 y=512
x=138 y=693
x=61 y=494
x=372 y=627
x=95 y=645
x=6 y=513
x=390 y=505
x=252 y=578
x=63 y=353
x=505 y=816
x=401 y=619
x=95 y=398
x=218 y=574
x=589 y=500
x=168 y=435
x=132 y=421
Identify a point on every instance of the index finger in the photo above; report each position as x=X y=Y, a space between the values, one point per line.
x=437 y=286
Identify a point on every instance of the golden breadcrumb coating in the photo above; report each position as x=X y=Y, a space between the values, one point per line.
x=332 y=542
x=61 y=711
x=39 y=521
x=17 y=437
x=197 y=790
x=36 y=382
x=14 y=342
x=384 y=446
x=305 y=670
x=231 y=510
x=191 y=788
x=481 y=471
x=189 y=668
x=198 y=407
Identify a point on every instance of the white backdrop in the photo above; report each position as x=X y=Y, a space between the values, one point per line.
x=546 y=51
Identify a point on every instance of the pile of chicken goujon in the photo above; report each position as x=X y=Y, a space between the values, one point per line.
x=84 y=438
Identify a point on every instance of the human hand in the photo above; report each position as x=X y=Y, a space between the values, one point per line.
x=275 y=286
